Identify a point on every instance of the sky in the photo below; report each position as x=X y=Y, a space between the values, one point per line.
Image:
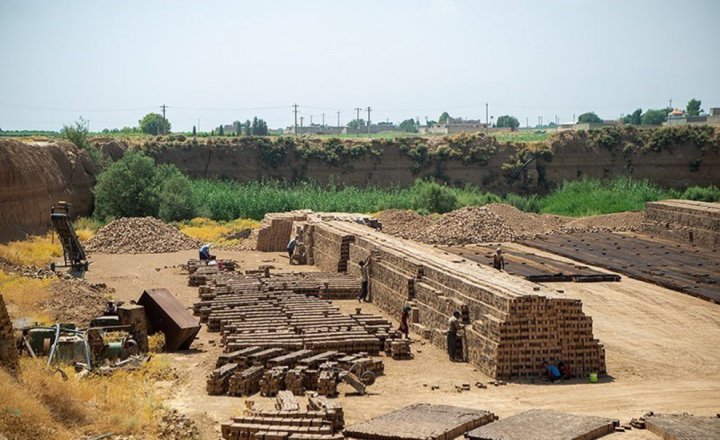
x=214 y=62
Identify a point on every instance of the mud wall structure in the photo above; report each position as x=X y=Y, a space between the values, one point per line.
x=684 y=221
x=33 y=177
x=8 y=351
x=673 y=157
x=513 y=325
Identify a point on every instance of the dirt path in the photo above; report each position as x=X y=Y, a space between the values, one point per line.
x=662 y=353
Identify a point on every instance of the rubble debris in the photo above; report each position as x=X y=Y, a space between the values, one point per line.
x=166 y=314
x=140 y=235
x=419 y=422
x=176 y=426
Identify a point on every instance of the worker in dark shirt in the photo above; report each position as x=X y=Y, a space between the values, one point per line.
x=453 y=326
x=498 y=260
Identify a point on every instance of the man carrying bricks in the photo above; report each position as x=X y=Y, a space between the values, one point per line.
x=498 y=260
x=454 y=326
x=364 y=276
x=291 y=247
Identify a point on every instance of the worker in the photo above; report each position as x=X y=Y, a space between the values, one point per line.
x=553 y=373
x=453 y=326
x=404 y=326
x=205 y=252
x=498 y=260
x=364 y=277
x=291 y=247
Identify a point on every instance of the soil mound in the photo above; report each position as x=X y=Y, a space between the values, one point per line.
x=471 y=224
x=76 y=301
x=404 y=223
x=526 y=224
x=140 y=235
x=622 y=221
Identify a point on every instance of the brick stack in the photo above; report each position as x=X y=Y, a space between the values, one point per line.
x=239 y=357
x=283 y=425
x=217 y=382
x=398 y=349
x=295 y=380
x=273 y=380
x=276 y=228
x=513 y=325
x=286 y=401
x=245 y=382
x=8 y=352
x=321 y=403
x=685 y=221
x=327 y=383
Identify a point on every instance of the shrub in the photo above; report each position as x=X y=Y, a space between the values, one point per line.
x=134 y=186
x=432 y=197
x=708 y=194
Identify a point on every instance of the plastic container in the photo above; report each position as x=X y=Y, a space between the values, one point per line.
x=593 y=377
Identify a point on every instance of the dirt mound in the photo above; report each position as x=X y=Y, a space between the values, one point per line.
x=77 y=301
x=140 y=235
x=526 y=224
x=404 y=223
x=622 y=221
x=471 y=224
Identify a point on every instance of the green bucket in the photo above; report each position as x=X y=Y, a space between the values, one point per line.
x=593 y=377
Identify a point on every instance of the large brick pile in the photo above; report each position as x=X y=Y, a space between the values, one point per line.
x=8 y=353
x=685 y=221
x=514 y=326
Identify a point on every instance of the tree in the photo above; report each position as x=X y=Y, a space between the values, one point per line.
x=443 y=118
x=194 y=131
x=693 y=107
x=261 y=128
x=238 y=128
x=248 y=128
x=508 y=121
x=634 y=118
x=78 y=134
x=431 y=124
x=589 y=117
x=135 y=186
x=408 y=125
x=154 y=123
x=355 y=123
x=655 y=117
x=221 y=130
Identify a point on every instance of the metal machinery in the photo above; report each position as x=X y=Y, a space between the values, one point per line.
x=73 y=252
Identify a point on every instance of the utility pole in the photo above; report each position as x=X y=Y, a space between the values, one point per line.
x=323 y=120
x=527 y=122
x=368 y=123
x=671 y=103
x=338 y=116
x=311 y=120
x=163 y=107
x=539 y=121
x=357 y=122
x=486 y=114
x=295 y=107
x=198 y=126
x=573 y=118
x=302 y=118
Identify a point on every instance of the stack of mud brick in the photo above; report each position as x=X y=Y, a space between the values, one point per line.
x=321 y=403
x=398 y=349
x=684 y=221
x=245 y=382
x=8 y=352
x=284 y=425
x=275 y=230
x=217 y=382
x=286 y=401
x=273 y=381
x=222 y=265
x=295 y=380
x=327 y=383
x=513 y=325
x=134 y=316
x=359 y=363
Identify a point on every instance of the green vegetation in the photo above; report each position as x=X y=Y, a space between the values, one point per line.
x=589 y=117
x=135 y=186
x=508 y=121
x=693 y=107
x=77 y=133
x=154 y=123
x=521 y=136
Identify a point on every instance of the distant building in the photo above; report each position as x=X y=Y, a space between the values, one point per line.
x=314 y=129
x=455 y=126
x=586 y=126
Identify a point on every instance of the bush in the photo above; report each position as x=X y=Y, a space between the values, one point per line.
x=134 y=186
x=432 y=197
x=709 y=194
x=78 y=135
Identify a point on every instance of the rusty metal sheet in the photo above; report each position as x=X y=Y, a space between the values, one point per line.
x=166 y=314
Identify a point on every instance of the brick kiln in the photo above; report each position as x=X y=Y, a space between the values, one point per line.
x=514 y=325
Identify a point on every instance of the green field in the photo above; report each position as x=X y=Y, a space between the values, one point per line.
x=230 y=200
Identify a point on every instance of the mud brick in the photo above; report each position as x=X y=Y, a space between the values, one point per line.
x=327 y=383
x=286 y=401
x=238 y=356
x=217 y=382
x=273 y=380
x=295 y=380
x=333 y=409
x=245 y=382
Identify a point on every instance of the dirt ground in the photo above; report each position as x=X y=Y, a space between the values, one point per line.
x=662 y=348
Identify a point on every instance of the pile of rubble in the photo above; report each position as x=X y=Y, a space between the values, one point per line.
x=406 y=224
x=77 y=301
x=140 y=235
x=471 y=224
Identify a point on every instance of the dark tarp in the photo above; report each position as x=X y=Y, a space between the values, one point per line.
x=166 y=314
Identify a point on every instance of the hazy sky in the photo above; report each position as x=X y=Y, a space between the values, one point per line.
x=220 y=61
